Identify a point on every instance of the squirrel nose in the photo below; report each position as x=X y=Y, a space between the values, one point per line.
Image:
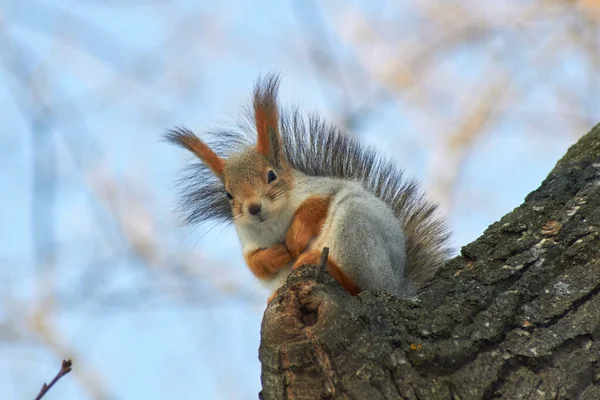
x=254 y=208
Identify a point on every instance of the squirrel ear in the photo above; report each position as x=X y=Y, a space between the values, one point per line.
x=188 y=140
x=266 y=117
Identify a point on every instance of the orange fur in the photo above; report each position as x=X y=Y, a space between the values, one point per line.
x=342 y=278
x=314 y=257
x=201 y=150
x=265 y=262
x=306 y=224
x=266 y=117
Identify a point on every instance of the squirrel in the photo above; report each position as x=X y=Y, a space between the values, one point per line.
x=293 y=185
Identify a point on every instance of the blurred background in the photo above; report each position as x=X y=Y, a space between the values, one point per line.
x=95 y=265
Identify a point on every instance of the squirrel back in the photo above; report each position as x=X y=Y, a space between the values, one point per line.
x=315 y=148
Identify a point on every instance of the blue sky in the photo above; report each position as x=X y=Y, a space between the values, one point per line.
x=114 y=77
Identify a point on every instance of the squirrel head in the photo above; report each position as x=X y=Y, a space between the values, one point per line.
x=257 y=180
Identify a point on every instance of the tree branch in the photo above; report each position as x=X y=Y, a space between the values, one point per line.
x=65 y=368
x=320 y=277
x=516 y=315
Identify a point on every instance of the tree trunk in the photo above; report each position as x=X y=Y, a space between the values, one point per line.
x=515 y=316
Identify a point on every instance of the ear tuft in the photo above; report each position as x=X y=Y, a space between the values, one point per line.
x=188 y=140
x=266 y=117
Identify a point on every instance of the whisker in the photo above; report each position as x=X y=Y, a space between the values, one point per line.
x=276 y=194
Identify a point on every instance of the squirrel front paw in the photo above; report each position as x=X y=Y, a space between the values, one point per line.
x=265 y=262
x=297 y=239
x=280 y=256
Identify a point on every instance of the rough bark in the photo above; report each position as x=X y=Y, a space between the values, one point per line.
x=516 y=315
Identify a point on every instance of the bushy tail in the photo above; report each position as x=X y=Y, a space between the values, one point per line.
x=427 y=236
x=316 y=148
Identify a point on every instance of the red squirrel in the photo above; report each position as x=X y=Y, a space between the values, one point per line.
x=293 y=184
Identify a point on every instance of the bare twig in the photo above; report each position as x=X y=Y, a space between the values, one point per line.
x=65 y=368
x=322 y=264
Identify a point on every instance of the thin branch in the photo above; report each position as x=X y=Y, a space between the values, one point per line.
x=322 y=265
x=65 y=368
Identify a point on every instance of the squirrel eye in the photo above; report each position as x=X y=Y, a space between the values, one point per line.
x=229 y=196
x=271 y=176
